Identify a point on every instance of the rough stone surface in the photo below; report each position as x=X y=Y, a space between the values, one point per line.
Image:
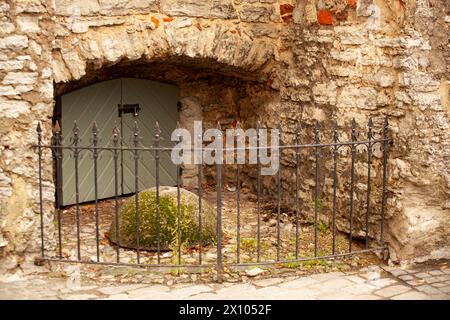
x=364 y=65
x=329 y=286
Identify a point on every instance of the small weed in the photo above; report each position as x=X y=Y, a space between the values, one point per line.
x=315 y=263
x=291 y=265
x=322 y=226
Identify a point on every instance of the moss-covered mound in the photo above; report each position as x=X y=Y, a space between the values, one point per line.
x=148 y=226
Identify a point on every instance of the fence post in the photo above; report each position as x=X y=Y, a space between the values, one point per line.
x=58 y=152
x=369 y=175
x=335 y=153
x=95 y=132
x=219 y=212
x=76 y=154
x=352 y=183
x=41 y=211
x=298 y=137
x=385 y=150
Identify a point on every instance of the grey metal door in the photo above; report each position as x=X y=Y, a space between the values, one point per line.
x=100 y=102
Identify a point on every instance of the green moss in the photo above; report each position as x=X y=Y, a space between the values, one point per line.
x=168 y=218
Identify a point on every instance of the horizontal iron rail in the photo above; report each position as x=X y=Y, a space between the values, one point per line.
x=292 y=146
x=212 y=265
x=327 y=257
x=123 y=264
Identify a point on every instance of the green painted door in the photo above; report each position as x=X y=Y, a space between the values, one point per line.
x=100 y=102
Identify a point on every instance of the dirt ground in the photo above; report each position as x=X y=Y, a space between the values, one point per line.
x=248 y=240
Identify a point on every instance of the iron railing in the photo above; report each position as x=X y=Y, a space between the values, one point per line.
x=313 y=148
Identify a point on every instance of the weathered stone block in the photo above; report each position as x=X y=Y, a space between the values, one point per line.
x=6 y=27
x=76 y=7
x=119 y=7
x=20 y=78
x=354 y=97
x=28 y=24
x=14 y=42
x=13 y=108
x=30 y=6
x=256 y=14
x=11 y=65
x=199 y=8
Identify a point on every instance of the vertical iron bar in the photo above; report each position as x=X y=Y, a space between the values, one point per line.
x=258 y=144
x=316 y=193
x=369 y=168
x=158 y=214
x=297 y=187
x=385 y=151
x=136 y=189
x=95 y=155
x=200 y=238
x=121 y=139
x=116 y=133
x=279 y=195
x=335 y=153
x=219 y=211
x=352 y=183
x=238 y=200
x=41 y=211
x=58 y=156
x=179 y=214
x=76 y=140
x=200 y=194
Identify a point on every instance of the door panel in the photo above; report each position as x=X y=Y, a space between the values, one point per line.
x=100 y=102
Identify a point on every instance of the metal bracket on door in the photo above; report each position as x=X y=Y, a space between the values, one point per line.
x=129 y=108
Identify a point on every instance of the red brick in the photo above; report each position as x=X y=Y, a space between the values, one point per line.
x=286 y=8
x=286 y=12
x=325 y=17
x=351 y=3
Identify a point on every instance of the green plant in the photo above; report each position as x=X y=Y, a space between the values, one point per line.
x=309 y=264
x=293 y=264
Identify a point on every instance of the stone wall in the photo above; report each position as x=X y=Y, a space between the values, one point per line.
x=281 y=61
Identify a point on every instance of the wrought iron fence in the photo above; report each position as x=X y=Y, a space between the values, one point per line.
x=313 y=148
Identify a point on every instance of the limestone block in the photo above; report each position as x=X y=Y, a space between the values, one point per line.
x=76 y=7
x=119 y=7
x=354 y=97
x=193 y=8
x=6 y=27
x=325 y=93
x=14 y=42
x=30 y=6
x=20 y=78
x=13 y=108
x=28 y=24
x=256 y=14
x=11 y=65
x=223 y=9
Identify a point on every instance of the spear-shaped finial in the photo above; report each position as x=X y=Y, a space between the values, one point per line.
x=56 y=127
x=370 y=128
x=298 y=128
x=335 y=131
x=219 y=127
x=353 y=129
x=95 y=128
x=157 y=128
x=316 y=130
x=76 y=133
x=238 y=127
x=116 y=133
x=38 y=128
